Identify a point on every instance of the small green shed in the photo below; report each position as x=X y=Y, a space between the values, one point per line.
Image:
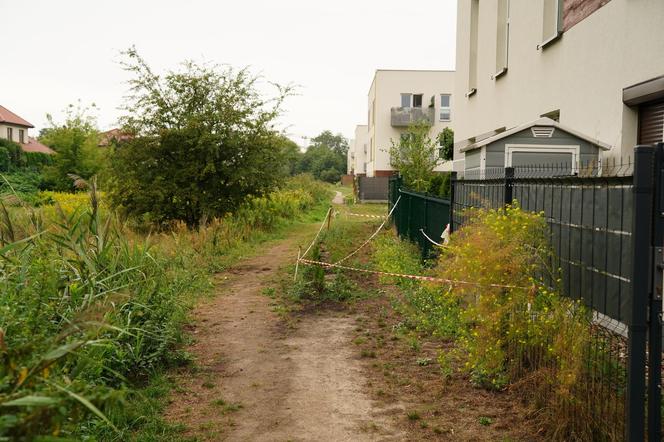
x=543 y=143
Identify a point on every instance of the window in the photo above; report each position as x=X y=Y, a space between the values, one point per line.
x=502 y=37
x=445 y=108
x=21 y=135
x=417 y=100
x=552 y=21
x=405 y=100
x=472 y=59
x=10 y=134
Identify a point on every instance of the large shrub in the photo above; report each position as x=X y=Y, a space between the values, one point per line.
x=203 y=142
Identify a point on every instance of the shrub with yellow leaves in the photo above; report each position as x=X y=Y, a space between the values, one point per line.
x=518 y=329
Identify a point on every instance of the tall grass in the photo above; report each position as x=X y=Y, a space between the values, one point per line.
x=91 y=309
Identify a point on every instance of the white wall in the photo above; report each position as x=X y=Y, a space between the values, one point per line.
x=15 y=132
x=350 y=157
x=386 y=89
x=361 y=142
x=582 y=74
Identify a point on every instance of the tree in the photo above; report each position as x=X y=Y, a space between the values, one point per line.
x=290 y=154
x=325 y=158
x=203 y=142
x=337 y=143
x=415 y=156
x=76 y=145
x=446 y=138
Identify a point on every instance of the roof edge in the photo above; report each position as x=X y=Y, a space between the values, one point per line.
x=545 y=121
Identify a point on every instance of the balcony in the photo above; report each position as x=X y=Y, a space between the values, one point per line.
x=405 y=116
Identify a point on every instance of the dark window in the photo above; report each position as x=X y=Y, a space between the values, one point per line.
x=651 y=122
x=417 y=100
x=10 y=134
x=21 y=135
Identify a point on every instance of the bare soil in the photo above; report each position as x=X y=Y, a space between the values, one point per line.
x=259 y=379
x=327 y=372
x=439 y=405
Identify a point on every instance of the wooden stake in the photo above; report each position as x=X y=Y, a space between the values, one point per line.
x=297 y=263
x=329 y=218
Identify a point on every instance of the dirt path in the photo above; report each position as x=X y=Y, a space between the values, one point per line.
x=338 y=198
x=258 y=380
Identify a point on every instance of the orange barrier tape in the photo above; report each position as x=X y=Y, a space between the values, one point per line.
x=415 y=277
x=365 y=216
x=373 y=235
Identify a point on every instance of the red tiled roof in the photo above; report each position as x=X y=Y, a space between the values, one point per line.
x=35 y=146
x=7 y=116
x=106 y=138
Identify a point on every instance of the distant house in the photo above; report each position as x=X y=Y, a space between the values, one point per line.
x=398 y=98
x=15 y=128
x=112 y=137
x=357 y=153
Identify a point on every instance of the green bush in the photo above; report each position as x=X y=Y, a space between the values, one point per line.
x=37 y=160
x=11 y=156
x=5 y=161
x=440 y=184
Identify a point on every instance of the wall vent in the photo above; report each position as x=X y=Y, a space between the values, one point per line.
x=543 y=131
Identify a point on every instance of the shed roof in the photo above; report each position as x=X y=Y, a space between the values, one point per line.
x=547 y=122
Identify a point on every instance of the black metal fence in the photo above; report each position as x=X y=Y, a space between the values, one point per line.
x=607 y=231
x=419 y=217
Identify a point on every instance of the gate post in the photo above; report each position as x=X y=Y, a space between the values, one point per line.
x=509 y=178
x=655 y=316
x=641 y=272
x=425 y=244
x=453 y=188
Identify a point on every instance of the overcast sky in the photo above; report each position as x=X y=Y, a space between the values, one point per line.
x=57 y=52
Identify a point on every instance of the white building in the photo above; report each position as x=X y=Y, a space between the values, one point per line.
x=594 y=66
x=358 y=150
x=396 y=99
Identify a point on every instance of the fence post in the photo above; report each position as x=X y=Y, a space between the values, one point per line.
x=422 y=240
x=655 y=317
x=641 y=243
x=509 y=178
x=453 y=184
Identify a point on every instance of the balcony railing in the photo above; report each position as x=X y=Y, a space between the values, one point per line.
x=405 y=116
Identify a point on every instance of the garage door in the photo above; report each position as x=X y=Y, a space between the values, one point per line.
x=651 y=122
